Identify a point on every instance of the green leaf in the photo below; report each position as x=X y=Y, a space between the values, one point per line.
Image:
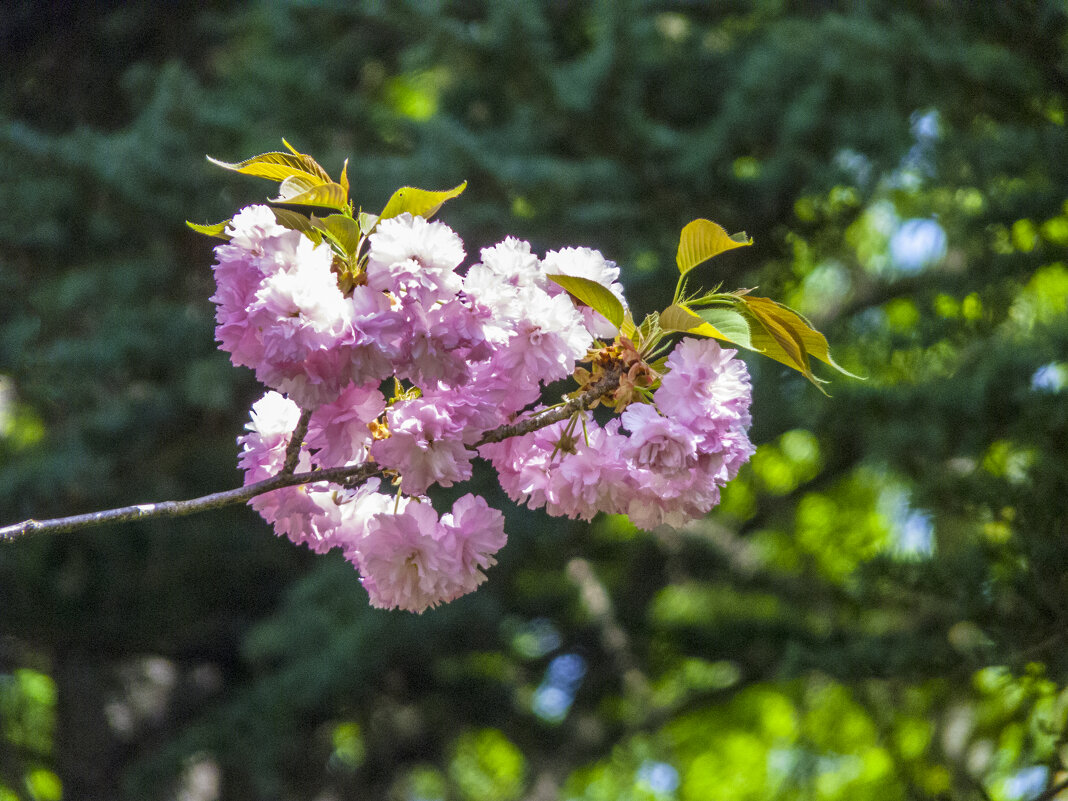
x=597 y=296
x=296 y=221
x=649 y=326
x=787 y=337
x=329 y=195
x=277 y=167
x=310 y=164
x=781 y=342
x=367 y=222
x=217 y=229
x=341 y=228
x=701 y=240
x=719 y=323
x=679 y=318
x=295 y=185
x=731 y=325
x=344 y=179
x=418 y=202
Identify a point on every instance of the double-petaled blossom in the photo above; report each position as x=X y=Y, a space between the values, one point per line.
x=339 y=432
x=658 y=464
x=413 y=560
x=253 y=252
x=305 y=514
x=705 y=387
x=425 y=446
x=466 y=355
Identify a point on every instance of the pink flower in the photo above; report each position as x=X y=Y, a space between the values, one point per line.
x=305 y=325
x=358 y=508
x=512 y=261
x=491 y=398
x=549 y=338
x=304 y=514
x=568 y=476
x=705 y=389
x=241 y=264
x=410 y=256
x=411 y=560
x=338 y=430
x=425 y=446
x=659 y=444
x=477 y=533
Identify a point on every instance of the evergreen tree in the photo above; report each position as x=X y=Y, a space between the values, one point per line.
x=876 y=610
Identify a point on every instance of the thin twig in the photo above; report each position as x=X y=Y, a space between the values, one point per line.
x=215 y=500
x=349 y=475
x=555 y=414
x=295 y=441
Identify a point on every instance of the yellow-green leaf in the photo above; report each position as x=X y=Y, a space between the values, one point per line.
x=295 y=221
x=597 y=296
x=418 y=202
x=701 y=240
x=678 y=318
x=341 y=229
x=813 y=342
x=718 y=323
x=328 y=195
x=344 y=179
x=649 y=327
x=217 y=229
x=276 y=167
x=367 y=222
x=731 y=325
x=295 y=185
x=780 y=340
x=310 y=164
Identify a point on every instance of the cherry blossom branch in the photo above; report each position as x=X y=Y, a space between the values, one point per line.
x=348 y=475
x=295 y=441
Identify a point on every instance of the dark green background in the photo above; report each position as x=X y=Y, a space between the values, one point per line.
x=791 y=646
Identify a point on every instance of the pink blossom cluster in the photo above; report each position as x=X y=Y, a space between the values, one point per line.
x=460 y=355
x=661 y=463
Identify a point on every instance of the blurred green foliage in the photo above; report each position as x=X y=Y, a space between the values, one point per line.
x=878 y=609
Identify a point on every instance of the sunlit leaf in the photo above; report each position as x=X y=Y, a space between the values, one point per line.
x=701 y=240
x=784 y=335
x=731 y=325
x=276 y=167
x=295 y=221
x=216 y=229
x=310 y=164
x=329 y=195
x=649 y=326
x=341 y=229
x=597 y=296
x=418 y=202
x=679 y=318
x=295 y=185
x=367 y=222
x=801 y=331
x=781 y=341
x=344 y=179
